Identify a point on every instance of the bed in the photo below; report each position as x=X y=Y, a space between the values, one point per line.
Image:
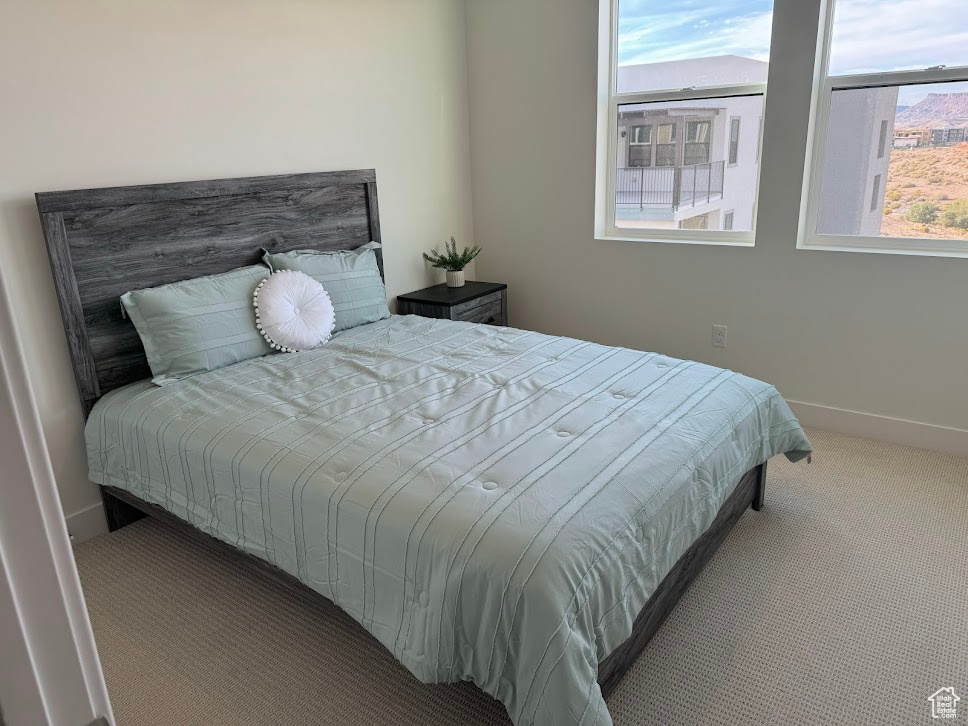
x=494 y=505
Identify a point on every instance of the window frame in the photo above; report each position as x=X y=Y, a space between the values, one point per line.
x=824 y=86
x=609 y=103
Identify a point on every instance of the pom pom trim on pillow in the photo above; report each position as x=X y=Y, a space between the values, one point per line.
x=293 y=312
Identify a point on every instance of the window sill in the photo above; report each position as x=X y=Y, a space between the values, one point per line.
x=673 y=241
x=959 y=248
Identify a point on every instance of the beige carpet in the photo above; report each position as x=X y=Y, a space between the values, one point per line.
x=844 y=601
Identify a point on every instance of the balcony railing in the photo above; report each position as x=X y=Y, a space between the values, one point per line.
x=669 y=187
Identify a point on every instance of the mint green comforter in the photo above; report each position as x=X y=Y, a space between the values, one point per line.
x=492 y=504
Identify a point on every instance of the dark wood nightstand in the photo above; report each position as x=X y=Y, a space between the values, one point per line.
x=475 y=302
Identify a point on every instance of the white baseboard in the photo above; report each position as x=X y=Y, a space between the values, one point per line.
x=883 y=428
x=87 y=523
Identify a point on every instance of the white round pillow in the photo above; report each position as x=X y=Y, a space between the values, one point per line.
x=293 y=311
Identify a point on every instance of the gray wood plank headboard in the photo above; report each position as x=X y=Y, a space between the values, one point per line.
x=105 y=242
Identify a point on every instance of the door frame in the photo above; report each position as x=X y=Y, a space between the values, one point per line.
x=50 y=672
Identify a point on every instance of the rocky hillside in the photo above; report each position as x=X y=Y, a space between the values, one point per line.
x=937 y=110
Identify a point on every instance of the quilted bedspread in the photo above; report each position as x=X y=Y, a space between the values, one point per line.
x=492 y=504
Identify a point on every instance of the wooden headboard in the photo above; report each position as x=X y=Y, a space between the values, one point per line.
x=105 y=242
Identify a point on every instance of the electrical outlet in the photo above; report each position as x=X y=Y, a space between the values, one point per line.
x=719 y=336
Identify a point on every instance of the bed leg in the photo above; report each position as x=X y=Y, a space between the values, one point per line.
x=760 y=492
x=119 y=514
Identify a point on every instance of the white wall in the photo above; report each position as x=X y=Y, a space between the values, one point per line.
x=739 y=183
x=112 y=92
x=885 y=335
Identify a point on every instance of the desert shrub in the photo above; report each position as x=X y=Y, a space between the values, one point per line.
x=922 y=212
x=892 y=195
x=956 y=214
x=935 y=180
x=908 y=185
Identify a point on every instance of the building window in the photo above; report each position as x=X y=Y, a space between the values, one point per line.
x=697 y=143
x=692 y=92
x=734 y=140
x=728 y=219
x=885 y=113
x=640 y=146
x=700 y=221
x=665 y=146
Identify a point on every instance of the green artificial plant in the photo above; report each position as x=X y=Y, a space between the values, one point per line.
x=453 y=260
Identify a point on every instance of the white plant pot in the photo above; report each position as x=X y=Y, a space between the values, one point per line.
x=455 y=279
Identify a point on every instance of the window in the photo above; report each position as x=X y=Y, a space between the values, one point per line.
x=697 y=143
x=887 y=166
x=700 y=221
x=887 y=154
x=759 y=136
x=641 y=135
x=734 y=140
x=692 y=85
x=665 y=148
x=640 y=146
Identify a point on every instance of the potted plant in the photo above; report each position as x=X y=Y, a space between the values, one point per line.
x=453 y=261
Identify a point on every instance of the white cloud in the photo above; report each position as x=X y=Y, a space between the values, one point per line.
x=885 y=35
x=869 y=35
x=650 y=42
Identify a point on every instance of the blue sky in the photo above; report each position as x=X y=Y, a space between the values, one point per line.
x=869 y=35
x=651 y=32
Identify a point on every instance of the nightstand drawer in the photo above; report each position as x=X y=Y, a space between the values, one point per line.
x=487 y=310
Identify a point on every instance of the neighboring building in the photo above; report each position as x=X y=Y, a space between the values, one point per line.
x=911 y=138
x=689 y=164
x=948 y=136
x=695 y=164
x=856 y=163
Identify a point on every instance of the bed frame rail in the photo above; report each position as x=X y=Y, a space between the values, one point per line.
x=749 y=492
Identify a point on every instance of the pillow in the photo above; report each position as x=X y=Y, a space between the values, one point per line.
x=198 y=325
x=351 y=277
x=293 y=311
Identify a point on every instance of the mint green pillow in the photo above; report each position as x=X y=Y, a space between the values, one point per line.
x=351 y=277
x=198 y=325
